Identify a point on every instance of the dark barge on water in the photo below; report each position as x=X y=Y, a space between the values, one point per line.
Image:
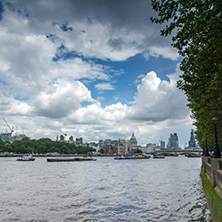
x=69 y=159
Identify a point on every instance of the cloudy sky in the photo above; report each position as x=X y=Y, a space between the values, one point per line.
x=96 y=69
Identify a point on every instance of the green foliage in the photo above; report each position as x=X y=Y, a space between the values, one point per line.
x=102 y=151
x=197 y=26
x=43 y=146
x=2 y=144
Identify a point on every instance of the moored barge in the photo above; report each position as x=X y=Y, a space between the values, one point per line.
x=69 y=159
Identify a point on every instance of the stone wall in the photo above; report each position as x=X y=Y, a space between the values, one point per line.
x=211 y=174
x=213 y=170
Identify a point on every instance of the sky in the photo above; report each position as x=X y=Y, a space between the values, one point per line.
x=96 y=69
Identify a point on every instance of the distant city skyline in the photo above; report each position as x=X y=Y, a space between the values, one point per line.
x=172 y=141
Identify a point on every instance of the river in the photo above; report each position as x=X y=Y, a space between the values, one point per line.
x=167 y=189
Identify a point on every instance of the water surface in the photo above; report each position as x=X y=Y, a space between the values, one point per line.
x=167 y=189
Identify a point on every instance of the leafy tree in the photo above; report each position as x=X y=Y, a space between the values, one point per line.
x=196 y=26
x=42 y=148
x=2 y=143
x=65 y=149
x=29 y=149
x=43 y=145
x=54 y=149
x=102 y=151
x=20 y=149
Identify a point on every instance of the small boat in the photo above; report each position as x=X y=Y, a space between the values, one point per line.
x=70 y=159
x=194 y=155
x=158 y=156
x=55 y=154
x=130 y=157
x=26 y=157
x=121 y=158
x=143 y=157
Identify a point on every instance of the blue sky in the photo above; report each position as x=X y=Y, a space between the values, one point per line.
x=95 y=69
x=129 y=75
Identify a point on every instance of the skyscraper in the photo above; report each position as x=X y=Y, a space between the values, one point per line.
x=192 y=142
x=173 y=141
x=162 y=144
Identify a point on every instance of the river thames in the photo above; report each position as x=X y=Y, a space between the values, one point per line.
x=167 y=189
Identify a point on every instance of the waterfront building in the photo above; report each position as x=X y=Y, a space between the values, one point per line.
x=122 y=147
x=20 y=137
x=71 y=139
x=147 y=149
x=134 y=149
x=79 y=140
x=114 y=143
x=192 y=142
x=132 y=144
x=152 y=147
x=132 y=141
x=109 y=149
x=107 y=141
x=6 y=136
x=109 y=146
x=173 y=141
x=93 y=144
x=62 y=138
x=100 y=143
x=162 y=144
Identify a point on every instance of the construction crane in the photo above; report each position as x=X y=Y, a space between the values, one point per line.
x=185 y=143
x=11 y=129
x=63 y=133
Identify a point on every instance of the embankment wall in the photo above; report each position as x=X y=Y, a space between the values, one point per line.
x=211 y=174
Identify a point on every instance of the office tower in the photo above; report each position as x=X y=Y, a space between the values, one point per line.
x=192 y=142
x=173 y=141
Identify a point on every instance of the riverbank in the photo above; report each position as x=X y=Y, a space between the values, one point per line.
x=64 y=155
x=211 y=175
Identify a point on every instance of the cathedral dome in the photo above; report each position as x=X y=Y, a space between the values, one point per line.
x=133 y=141
x=132 y=137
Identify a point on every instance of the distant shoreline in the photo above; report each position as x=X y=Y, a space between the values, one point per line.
x=64 y=155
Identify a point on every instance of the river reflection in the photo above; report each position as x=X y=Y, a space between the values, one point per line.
x=167 y=189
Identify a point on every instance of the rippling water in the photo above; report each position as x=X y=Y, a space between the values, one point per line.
x=167 y=189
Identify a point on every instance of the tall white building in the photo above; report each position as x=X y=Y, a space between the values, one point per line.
x=122 y=147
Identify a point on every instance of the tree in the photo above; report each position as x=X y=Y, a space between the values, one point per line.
x=2 y=143
x=20 y=149
x=28 y=150
x=101 y=151
x=197 y=26
x=41 y=149
x=43 y=145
